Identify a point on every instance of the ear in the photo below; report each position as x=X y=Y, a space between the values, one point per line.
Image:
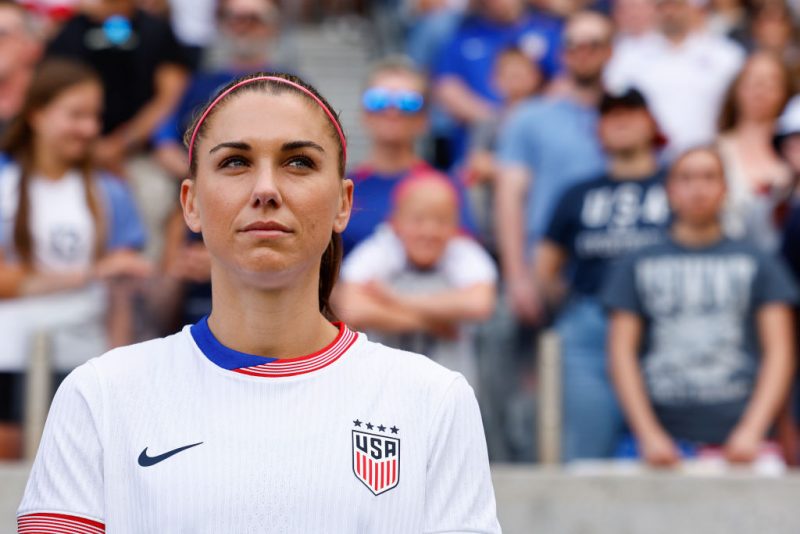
x=191 y=209
x=345 y=206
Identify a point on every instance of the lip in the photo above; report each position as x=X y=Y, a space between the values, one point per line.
x=266 y=228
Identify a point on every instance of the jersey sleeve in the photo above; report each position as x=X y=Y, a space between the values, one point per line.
x=773 y=283
x=560 y=228
x=65 y=489
x=620 y=291
x=459 y=496
x=375 y=258
x=514 y=140
x=467 y=263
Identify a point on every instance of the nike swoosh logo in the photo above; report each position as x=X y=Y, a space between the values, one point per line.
x=147 y=461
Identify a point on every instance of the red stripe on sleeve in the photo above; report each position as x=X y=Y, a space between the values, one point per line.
x=46 y=523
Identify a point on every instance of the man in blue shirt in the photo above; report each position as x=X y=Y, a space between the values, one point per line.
x=595 y=223
x=547 y=145
x=463 y=74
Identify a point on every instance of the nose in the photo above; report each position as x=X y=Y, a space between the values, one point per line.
x=265 y=189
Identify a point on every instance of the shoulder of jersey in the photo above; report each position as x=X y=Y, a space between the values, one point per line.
x=143 y=358
x=403 y=366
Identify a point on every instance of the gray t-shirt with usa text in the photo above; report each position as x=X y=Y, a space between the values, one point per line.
x=701 y=351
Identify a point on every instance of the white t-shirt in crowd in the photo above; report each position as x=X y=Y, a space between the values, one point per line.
x=684 y=85
x=382 y=257
x=182 y=434
x=194 y=21
x=63 y=232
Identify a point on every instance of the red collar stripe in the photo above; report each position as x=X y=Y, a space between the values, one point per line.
x=57 y=523
x=305 y=364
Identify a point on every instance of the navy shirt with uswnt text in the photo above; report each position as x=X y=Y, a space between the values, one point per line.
x=598 y=221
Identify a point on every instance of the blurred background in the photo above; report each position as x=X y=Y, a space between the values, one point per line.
x=532 y=209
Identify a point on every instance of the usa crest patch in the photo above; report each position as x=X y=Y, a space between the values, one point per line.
x=376 y=458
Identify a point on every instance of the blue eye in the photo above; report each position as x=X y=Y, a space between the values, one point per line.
x=301 y=162
x=233 y=162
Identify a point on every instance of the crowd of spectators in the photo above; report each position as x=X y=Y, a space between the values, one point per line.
x=624 y=172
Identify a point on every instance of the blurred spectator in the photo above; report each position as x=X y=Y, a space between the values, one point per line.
x=683 y=71
x=463 y=74
x=20 y=49
x=516 y=79
x=634 y=18
x=395 y=105
x=247 y=30
x=709 y=319
x=52 y=260
x=787 y=143
x=773 y=29
x=192 y=21
x=50 y=14
x=183 y=294
x=433 y=23
x=595 y=223
x=758 y=180
x=142 y=65
x=728 y=18
x=415 y=284
x=546 y=146
x=144 y=71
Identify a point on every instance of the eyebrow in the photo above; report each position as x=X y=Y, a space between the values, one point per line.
x=286 y=147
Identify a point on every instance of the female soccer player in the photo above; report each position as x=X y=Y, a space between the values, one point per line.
x=265 y=416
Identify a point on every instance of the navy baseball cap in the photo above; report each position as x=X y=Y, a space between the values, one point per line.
x=631 y=98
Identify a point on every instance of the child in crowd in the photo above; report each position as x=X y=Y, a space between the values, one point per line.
x=415 y=283
x=701 y=335
x=516 y=78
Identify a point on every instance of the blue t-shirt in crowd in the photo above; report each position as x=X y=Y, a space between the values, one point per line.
x=701 y=350
x=471 y=52
x=372 y=202
x=556 y=140
x=599 y=221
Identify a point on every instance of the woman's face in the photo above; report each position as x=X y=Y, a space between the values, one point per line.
x=761 y=92
x=696 y=188
x=267 y=193
x=70 y=123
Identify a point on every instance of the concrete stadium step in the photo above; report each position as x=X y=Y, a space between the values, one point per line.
x=335 y=57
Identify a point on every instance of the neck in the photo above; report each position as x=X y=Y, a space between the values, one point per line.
x=677 y=37
x=585 y=92
x=47 y=164
x=636 y=163
x=388 y=158
x=755 y=128
x=275 y=323
x=697 y=235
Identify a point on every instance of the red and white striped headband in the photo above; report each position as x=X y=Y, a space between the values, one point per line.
x=276 y=79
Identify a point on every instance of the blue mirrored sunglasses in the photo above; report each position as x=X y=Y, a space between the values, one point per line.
x=379 y=99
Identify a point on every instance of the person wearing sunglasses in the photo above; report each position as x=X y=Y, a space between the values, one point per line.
x=395 y=117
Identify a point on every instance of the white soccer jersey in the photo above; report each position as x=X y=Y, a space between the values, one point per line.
x=184 y=435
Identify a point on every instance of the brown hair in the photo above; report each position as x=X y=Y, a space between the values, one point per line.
x=729 y=116
x=52 y=78
x=332 y=257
